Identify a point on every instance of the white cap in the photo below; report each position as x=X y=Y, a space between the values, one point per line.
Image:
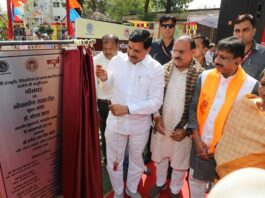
x=242 y=183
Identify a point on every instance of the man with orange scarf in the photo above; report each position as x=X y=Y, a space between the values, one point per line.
x=243 y=141
x=216 y=92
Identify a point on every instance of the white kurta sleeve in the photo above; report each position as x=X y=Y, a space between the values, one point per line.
x=108 y=84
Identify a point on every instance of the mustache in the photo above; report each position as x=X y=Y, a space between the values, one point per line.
x=218 y=64
x=177 y=58
x=132 y=56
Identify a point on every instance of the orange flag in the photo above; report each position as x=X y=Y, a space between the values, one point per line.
x=74 y=4
x=18 y=3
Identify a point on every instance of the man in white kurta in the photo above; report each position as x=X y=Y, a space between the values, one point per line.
x=109 y=50
x=170 y=143
x=137 y=84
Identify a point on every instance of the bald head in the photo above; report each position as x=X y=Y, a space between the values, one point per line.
x=188 y=39
x=183 y=51
x=110 y=45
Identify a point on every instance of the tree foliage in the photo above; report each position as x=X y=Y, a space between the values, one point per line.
x=169 y=6
x=144 y=9
x=46 y=29
x=119 y=8
x=93 y=5
x=3 y=26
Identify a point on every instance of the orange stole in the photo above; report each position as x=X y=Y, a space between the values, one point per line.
x=252 y=160
x=207 y=96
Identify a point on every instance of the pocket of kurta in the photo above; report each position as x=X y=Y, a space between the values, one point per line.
x=143 y=84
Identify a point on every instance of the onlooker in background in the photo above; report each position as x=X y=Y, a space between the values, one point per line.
x=216 y=92
x=160 y=50
x=45 y=36
x=36 y=35
x=254 y=56
x=210 y=53
x=243 y=141
x=17 y=32
x=202 y=46
x=137 y=85
x=170 y=142
x=110 y=47
x=28 y=33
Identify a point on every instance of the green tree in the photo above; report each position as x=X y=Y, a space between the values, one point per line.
x=46 y=29
x=169 y=6
x=119 y=8
x=144 y=9
x=92 y=6
x=3 y=26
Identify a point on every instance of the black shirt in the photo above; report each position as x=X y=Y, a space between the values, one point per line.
x=160 y=52
x=255 y=63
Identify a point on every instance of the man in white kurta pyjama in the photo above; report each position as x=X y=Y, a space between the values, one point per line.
x=171 y=142
x=137 y=83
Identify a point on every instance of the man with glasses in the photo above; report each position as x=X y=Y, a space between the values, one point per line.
x=170 y=142
x=216 y=92
x=254 y=54
x=160 y=50
x=137 y=85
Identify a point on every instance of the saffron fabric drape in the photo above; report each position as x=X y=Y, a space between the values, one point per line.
x=82 y=174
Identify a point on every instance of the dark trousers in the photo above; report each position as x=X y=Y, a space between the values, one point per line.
x=103 y=108
x=203 y=169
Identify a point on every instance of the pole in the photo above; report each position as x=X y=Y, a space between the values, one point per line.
x=69 y=25
x=10 y=26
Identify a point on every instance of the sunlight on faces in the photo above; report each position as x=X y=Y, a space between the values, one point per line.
x=225 y=63
x=245 y=31
x=182 y=53
x=136 y=51
x=110 y=49
x=167 y=29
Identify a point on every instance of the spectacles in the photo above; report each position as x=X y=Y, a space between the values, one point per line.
x=173 y=52
x=165 y=26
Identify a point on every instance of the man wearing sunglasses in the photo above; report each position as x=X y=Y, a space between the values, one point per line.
x=161 y=49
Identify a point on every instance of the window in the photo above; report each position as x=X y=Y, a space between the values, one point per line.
x=56 y=4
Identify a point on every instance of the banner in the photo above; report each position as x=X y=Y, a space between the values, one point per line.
x=87 y=28
x=30 y=122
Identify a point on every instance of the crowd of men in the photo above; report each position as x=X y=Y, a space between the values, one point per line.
x=186 y=87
